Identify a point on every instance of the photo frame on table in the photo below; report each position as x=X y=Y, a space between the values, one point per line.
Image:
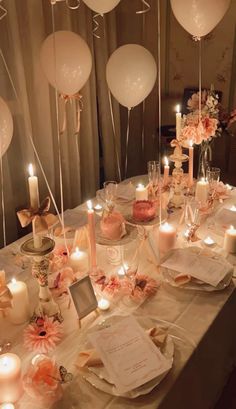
x=83 y=296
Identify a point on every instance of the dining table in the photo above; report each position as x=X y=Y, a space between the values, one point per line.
x=201 y=324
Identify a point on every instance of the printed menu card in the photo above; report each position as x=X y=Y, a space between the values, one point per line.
x=128 y=354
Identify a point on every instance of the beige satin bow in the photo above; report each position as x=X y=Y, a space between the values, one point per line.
x=79 y=106
x=5 y=298
x=43 y=219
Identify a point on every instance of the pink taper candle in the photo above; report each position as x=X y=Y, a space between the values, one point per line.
x=190 y=164
x=166 y=171
x=92 y=238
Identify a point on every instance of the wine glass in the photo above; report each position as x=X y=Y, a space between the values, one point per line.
x=153 y=168
x=110 y=190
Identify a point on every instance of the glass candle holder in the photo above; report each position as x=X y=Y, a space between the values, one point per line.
x=110 y=192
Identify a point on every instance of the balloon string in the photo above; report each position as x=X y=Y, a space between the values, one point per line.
x=200 y=78
x=3 y=10
x=3 y=204
x=159 y=97
x=96 y=25
x=145 y=10
x=58 y=132
x=127 y=142
x=144 y=102
x=114 y=136
x=31 y=140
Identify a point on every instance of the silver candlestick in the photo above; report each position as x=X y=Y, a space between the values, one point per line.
x=46 y=305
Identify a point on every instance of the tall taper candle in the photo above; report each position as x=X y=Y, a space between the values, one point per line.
x=190 y=164
x=166 y=171
x=178 y=121
x=34 y=202
x=92 y=238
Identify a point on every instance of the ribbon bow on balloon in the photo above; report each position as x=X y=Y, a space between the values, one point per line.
x=43 y=219
x=79 y=106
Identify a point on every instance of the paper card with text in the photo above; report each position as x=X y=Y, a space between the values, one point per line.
x=128 y=354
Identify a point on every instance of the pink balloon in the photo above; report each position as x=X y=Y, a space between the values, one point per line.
x=6 y=127
x=66 y=61
x=199 y=17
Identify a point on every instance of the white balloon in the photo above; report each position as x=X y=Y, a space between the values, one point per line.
x=101 y=6
x=6 y=127
x=131 y=74
x=199 y=17
x=66 y=61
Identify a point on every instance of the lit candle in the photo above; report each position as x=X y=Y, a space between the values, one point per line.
x=20 y=311
x=98 y=207
x=233 y=208
x=230 y=240
x=79 y=260
x=178 y=121
x=7 y=406
x=228 y=187
x=166 y=171
x=167 y=237
x=141 y=192
x=34 y=202
x=92 y=237
x=123 y=270
x=208 y=241
x=190 y=164
x=103 y=304
x=33 y=188
x=10 y=378
x=202 y=191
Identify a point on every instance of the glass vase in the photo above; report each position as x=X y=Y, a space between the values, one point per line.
x=205 y=158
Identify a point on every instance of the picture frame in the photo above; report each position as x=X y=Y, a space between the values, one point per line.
x=83 y=297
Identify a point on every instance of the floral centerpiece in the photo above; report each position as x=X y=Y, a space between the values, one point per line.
x=205 y=121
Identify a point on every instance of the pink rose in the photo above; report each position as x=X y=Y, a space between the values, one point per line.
x=42 y=380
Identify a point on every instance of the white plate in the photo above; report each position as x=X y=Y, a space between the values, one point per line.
x=131 y=234
x=99 y=378
x=195 y=284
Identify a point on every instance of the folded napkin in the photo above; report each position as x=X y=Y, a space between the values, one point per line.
x=90 y=357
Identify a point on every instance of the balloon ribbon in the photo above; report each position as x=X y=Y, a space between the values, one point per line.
x=146 y=10
x=96 y=24
x=3 y=10
x=79 y=106
x=127 y=142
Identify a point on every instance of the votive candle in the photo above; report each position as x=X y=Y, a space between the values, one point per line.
x=92 y=237
x=167 y=237
x=20 y=311
x=141 y=192
x=104 y=304
x=230 y=240
x=10 y=378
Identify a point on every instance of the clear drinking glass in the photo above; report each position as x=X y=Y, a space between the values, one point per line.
x=153 y=168
x=213 y=175
x=130 y=259
x=110 y=191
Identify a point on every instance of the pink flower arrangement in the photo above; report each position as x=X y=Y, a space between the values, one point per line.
x=62 y=281
x=112 y=286
x=42 y=335
x=42 y=380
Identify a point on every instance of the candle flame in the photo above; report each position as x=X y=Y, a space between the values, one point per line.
x=77 y=250
x=166 y=162
x=5 y=361
x=13 y=281
x=31 y=169
x=177 y=109
x=191 y=143
x=140 y=185
x=233 y=208
x=231 y=227
x=89 y=204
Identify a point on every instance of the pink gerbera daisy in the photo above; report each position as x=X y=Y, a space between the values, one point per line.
x=43 y=335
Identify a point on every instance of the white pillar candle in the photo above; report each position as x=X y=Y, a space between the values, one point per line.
x=20 y=311
x=166 y=171
x=10 y=378
x=202 y=191
x=190 y=164
x=167 y=237
x=79 y=260
x=92 y=236
x=230 y=240
x=141 y=192
x=178 y=121
x=33 y=188
x=104 y=304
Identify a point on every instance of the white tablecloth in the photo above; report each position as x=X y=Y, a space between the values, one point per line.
x=202 y=325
